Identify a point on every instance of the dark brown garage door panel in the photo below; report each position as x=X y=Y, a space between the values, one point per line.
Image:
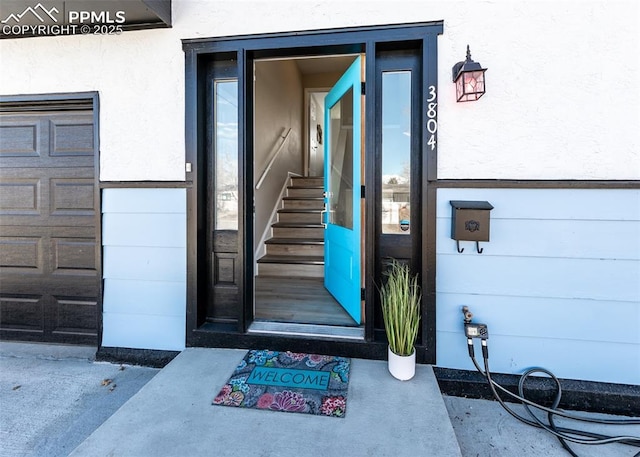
x=47 y=140
x=19 y=196
x=71 y=137
x=64 y=198
x=20 y=137
x=48 y=222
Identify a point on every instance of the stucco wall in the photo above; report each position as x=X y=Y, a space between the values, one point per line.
x=562 y=98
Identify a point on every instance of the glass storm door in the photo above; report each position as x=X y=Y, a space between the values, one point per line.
x=342 y=273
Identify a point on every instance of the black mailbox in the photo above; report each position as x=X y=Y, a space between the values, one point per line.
x=470 y=221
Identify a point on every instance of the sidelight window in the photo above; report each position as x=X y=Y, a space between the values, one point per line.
x=226 y=154
x=396 y=152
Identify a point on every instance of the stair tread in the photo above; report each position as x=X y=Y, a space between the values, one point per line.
x=299 y=210
x=277 y=240
x=296 y=225
x=307 y=259
x=303 y=198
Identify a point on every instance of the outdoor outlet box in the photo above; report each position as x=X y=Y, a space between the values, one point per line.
x=470 y=220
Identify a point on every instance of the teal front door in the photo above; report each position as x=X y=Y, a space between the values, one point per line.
x=342 y=174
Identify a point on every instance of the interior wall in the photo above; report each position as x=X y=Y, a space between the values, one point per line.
x=317 y=82
x=321 y=80
x=279 y=105
x=316 y=134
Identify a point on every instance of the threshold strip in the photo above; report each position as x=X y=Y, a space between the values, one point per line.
x=319 y=331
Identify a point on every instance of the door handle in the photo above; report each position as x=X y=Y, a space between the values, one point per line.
x=323 y=214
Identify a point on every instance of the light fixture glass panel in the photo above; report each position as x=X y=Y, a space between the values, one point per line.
x=470 y=86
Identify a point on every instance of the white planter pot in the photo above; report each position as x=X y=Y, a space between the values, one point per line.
x=402 y=367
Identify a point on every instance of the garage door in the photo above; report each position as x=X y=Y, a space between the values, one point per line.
x=49 y=283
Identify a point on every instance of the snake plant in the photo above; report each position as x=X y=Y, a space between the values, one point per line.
x=400 y=296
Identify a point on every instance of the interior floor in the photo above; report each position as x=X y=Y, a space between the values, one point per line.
x=298 y=300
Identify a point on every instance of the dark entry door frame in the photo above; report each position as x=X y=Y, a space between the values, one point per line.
x=240 y=52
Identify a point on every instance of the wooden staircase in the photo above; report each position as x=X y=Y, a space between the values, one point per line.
x=296 y=246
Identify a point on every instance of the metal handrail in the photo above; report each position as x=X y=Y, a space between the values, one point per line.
x=284 y=137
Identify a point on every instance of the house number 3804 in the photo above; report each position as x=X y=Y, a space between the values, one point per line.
x=432 y=116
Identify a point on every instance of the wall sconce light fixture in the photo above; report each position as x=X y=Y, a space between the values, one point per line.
x=469 y=79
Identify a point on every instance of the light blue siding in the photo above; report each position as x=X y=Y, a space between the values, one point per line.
x=558 y=284
x=144 y=268
x=563 y=204
x=139 y=201
x=552 y=238
x=542 y=277
x=130 y=229
x=544 y=317
x=144 y=331
x=144 y=263
x=570 y=359
x=162 y=298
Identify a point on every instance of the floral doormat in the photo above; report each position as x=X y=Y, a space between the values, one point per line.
x=289 y=381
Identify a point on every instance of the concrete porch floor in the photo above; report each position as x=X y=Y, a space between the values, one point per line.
x=53 y=400
x=172 y=416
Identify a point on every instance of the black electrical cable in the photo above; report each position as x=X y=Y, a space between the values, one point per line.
x=563 y=442
x=556 y=412
x=562 y=434
x=554 y=405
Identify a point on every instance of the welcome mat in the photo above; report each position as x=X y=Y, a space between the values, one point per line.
x=289 y=381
